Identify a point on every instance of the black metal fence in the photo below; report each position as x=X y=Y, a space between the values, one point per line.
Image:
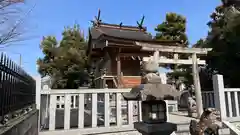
x=17 y=88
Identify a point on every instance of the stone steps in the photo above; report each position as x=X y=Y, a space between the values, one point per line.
x=183 y=129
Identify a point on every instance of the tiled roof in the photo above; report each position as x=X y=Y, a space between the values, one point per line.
x=120 y=33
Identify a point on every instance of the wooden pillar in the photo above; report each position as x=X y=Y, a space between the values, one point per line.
x=118 y=67
x=197 y=85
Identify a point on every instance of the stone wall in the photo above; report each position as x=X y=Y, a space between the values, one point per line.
x=24 y=125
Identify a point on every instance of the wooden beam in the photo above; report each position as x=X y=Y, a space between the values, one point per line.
x=174 y=49
x=176 y=61
x=135 y=54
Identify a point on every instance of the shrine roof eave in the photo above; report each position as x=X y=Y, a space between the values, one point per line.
x=111 y=41
x=152 y=41
x=97 y=32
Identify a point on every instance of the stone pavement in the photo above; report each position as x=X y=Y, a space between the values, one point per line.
x=180 y=117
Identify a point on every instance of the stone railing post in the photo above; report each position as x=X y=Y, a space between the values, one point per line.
x=38 y=97
x=38 y=89
x=219 y=96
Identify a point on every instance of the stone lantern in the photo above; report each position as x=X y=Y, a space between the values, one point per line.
x=155 y=119
x=154 y=111
x=152 y=93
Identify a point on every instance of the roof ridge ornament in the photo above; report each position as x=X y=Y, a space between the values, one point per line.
x=97 y=20
x=140 y=25
x=120 y=25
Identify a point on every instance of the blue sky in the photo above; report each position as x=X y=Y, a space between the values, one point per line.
x=50 y=16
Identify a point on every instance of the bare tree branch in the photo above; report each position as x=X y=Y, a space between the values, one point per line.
x=11 y=30
x=6 y=3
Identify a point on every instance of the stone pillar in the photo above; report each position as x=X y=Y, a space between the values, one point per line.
x=197 y=85
x=38 y=96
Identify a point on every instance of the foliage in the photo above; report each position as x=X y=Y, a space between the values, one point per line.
x=185 y=74
x=200 y=43
x=225 y=54
x=223 y=38
x=173 y=29
x=65 y=63
x=216 y=26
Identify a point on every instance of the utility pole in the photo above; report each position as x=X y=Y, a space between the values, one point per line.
x=197 y=85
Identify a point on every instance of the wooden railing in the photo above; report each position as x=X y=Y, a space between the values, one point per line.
x=208 y=99
x=104 y=110
x=231 y=100
x=224 y=99
x=227 y=100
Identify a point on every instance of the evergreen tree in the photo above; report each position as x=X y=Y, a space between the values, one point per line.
x=48 y=46
x=224 y=39
x=173 y=29
x=65 y=63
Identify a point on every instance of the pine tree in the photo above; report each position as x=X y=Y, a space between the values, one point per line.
x=173 y=29
x=68 y=61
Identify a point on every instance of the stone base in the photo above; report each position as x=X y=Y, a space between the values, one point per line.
x=172 y=105
x=155 y=129
x=192 y=114
x=25 y=125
